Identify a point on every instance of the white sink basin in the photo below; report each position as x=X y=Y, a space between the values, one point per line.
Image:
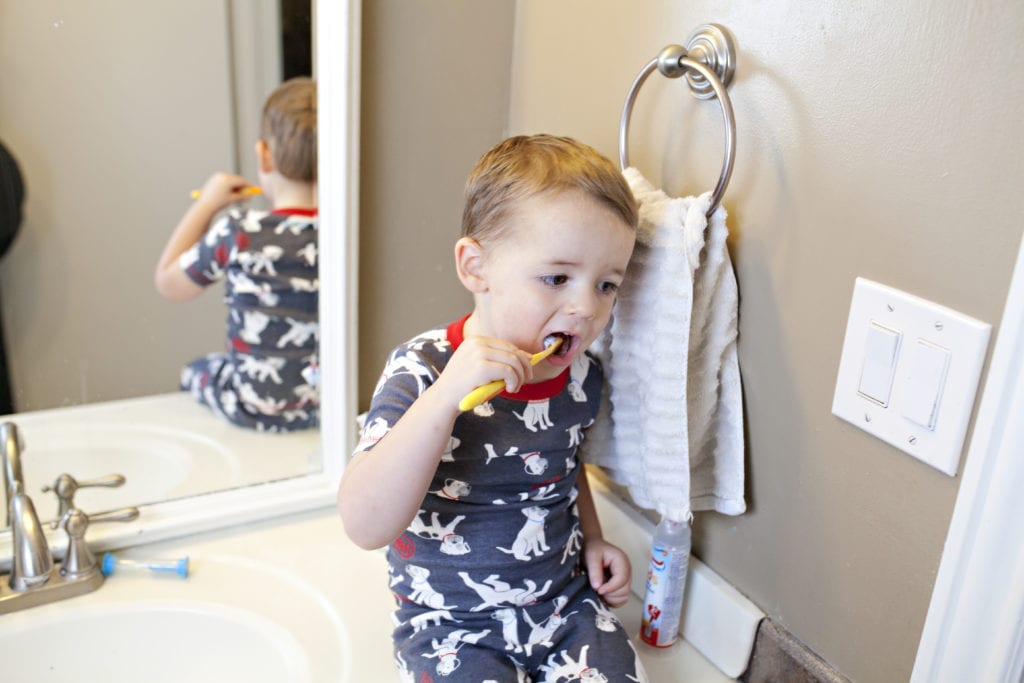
x=166 y=446
x=155 y=459
x=233 y=619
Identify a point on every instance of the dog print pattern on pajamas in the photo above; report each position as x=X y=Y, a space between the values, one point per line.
x=266 y=378
x=487 y=577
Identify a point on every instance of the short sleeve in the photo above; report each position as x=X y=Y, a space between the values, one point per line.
x=407 y=374
x=206 y=261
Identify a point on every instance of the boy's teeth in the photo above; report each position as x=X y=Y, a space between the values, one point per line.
x=563 y=347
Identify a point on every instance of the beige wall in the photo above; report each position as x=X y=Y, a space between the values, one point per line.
x=435 y=86
x=90 y=112
x=115 y=111
x=874 y=139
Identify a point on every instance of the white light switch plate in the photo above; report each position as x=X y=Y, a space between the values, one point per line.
x=925 y=325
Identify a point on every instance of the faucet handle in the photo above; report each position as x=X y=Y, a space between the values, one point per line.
x=65 y=486
x=79 y=559
x=119 y=515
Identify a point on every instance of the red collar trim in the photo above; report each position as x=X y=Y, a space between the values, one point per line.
x=549 y=388
x=291 y=211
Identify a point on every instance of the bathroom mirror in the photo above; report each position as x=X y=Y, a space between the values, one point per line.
x=121 y=109
x=115 y=111
x=337 y=32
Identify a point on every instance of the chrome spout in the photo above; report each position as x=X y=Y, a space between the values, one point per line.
x=32 y=562
x=36 y=578
x=10 y=450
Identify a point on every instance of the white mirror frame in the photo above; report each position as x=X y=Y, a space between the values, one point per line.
x=337 y=49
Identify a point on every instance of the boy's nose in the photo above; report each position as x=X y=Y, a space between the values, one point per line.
x=583 y=306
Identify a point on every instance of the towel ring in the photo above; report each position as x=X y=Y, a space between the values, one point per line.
x=710 y=53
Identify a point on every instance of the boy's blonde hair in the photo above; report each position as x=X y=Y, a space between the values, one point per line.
x=528 y=165
x=289 y=128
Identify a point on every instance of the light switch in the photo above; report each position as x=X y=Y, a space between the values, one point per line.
x=924 y=384
x=909 y=372
x=880 y=352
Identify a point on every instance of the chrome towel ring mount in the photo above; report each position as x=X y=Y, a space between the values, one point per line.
x=708 y=61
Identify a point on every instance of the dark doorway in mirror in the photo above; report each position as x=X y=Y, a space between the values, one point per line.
x=296 y=38
x=12 y=196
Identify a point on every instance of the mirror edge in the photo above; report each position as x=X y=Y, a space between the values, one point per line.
x=338 y=91
x=337 y=42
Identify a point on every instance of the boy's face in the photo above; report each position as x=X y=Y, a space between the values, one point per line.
x=556 y=269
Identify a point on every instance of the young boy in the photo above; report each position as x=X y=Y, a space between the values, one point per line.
x=265 y=380
x=496 y=556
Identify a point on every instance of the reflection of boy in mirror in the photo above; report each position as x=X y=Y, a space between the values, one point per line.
x=487 y=513
x=265 y=379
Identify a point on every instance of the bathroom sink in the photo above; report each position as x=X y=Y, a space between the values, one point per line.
x=233 y=619
x=166 y=446
x=156 y=460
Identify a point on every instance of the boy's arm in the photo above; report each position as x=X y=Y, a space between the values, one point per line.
x=381 y=489
x=219 y=191
x=171 y=280
x=606 y=564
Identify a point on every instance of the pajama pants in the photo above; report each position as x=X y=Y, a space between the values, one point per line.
x=573 y=636
x=215 y=382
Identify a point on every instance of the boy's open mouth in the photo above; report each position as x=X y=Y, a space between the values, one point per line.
x=564 y=347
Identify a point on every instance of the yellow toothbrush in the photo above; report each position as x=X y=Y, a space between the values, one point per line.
x=249 y=191
x=488 y=391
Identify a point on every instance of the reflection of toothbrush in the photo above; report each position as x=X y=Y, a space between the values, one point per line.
x=248 y=191
x=488 y=391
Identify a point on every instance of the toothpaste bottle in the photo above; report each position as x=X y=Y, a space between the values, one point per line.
x=666 y=580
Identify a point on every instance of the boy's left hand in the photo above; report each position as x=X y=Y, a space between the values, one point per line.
x=609 y=571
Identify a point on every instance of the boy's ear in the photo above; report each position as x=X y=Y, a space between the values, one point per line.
x=469 y=264
x=263 y=157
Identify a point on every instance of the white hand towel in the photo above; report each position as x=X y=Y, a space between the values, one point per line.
x=671 y=428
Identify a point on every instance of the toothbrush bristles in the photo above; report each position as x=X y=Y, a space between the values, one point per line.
x=556 y=343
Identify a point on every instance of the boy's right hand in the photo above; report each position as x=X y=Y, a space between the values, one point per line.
x=480 y=360
x=222 y=189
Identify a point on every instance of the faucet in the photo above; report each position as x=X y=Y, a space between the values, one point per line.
x=35 y=578
x=10 y=449
x=31 y=562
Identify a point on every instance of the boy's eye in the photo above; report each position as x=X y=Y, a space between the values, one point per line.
x=608 y=287
x=555 y=280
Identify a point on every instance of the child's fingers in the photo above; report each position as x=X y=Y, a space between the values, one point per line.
x=610 y=574
x=614 y=581
x=506 y=365
x=616 y=598
x=224 y=187
x=616 y=590
x=595 y=571
x=495 y=359
x=478 y=362
x=622 y=573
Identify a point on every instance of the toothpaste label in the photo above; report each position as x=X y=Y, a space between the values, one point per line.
x=663 y=602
